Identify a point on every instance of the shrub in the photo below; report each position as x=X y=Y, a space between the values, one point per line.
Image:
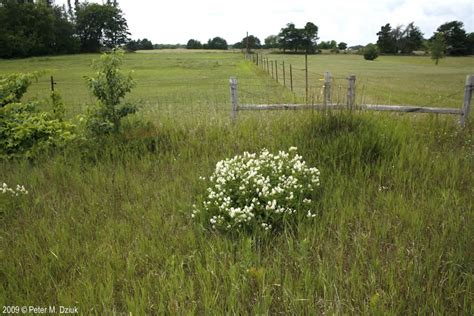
x=371 y=52
x=252 y=192
x=109 y=86
x=24 y=131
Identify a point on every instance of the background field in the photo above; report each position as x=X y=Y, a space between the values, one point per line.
x=106 y=226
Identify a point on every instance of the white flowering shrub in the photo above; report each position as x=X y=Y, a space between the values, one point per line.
x=258 y=192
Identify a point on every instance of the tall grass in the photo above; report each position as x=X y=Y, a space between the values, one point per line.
x=107 y=227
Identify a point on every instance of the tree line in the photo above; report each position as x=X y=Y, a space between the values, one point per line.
x=38 y=28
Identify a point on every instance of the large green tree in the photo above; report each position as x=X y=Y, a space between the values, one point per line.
x=400 y=39
x=217 y=43
x=100 y=25
x=455 y=37
x=29 y=29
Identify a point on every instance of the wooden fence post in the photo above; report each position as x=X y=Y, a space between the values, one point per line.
x=53 y=83
x=257 y=59
x=268 y=66
x=272 y=68
x=306 y=76
x=284 y=75
x=291 y=78
x=466 y=108
x=233 y=97
x=351 y=92
x=276 y=70
x=327 y=88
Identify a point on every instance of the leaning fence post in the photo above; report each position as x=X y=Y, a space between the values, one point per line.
x=466 y=108
x=233 y=97
x=284 y=75
x=327 y=89
x=351 y=92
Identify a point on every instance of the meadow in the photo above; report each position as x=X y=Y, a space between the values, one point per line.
x=107 y=227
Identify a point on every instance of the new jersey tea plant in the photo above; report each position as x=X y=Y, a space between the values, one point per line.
x=262 y=191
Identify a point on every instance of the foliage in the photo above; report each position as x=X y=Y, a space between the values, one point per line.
x=31 y=29
x=271 y=41
x=294 y=39
x=193 y=44
x=26 y=132
x=342 y=46
x=438 y=47
x=455 y=37
x=9 y=197
x=100 y=25
x=139 y=44
x=265 y=191
x=403 y=40
x=252 y=41
x=327 y=45
x=371 y=52
x=14 y=86
x=216 y=43
x=109 y=86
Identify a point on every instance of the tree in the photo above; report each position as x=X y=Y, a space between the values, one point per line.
x=438 y=47
x=309 y=38
x=294 y=39
x=413 y=38
x=386 y=42
x=253 y=43
x=271 y=41
x=342 y=46
x=145 y=44
x=371 y=52
x=29 y=29
x=109 y=86
x=217 y=43
x=100 y=25
x=401 y=39
x=455 y=37
x=193 y=44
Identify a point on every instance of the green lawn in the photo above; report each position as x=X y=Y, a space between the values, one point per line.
x=107 y=224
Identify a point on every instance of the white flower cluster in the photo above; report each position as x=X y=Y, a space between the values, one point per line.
x=19 y=190
x=250 y=190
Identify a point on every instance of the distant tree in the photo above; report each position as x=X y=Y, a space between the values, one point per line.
x=193 y=44
x=413 y=39
x=342 y=46
x=294 y=39
x=132 y=45
x=438 y=47
x=253 y=43
x=217 y=43
x=271 y=41
x=309 y=38
x=29 y=29
x=386 y=42
x=470 y=43
x=455 y=37
x=400 y=39
x=371 y=52
x=100 y=25
x=145 y=44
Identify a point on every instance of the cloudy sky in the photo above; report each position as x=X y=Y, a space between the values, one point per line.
x=353 y=22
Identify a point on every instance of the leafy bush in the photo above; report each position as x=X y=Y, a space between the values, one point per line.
x=109 y=86
x=259 y=192
x=371 y=52
x=23 y=130
x=26 y=132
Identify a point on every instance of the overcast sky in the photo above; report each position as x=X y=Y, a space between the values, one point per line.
x=353 y=22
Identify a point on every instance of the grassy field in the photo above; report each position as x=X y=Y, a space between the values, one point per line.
x=106 y=225
x=387 y=80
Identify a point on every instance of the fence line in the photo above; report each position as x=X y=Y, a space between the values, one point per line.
x=350 y=102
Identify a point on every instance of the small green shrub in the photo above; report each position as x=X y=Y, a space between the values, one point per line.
x=110 y=86
x=371 y=52
x=263 y=192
